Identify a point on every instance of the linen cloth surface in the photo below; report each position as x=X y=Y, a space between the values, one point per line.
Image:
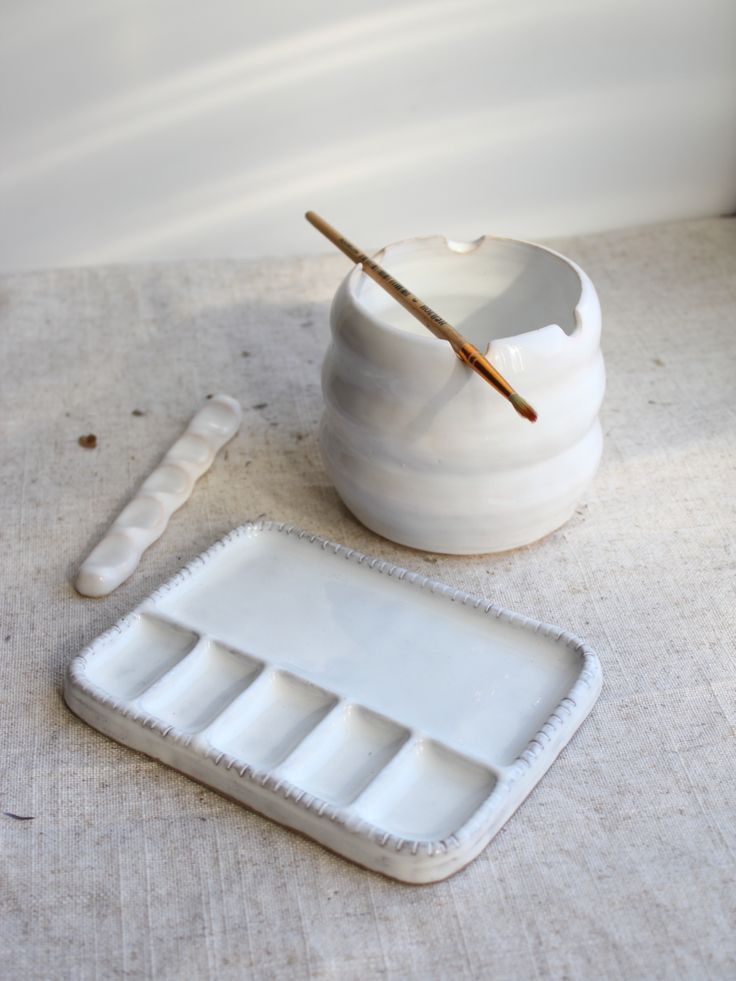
x=621 y=864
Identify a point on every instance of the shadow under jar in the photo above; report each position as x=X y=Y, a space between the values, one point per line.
x=422 y=450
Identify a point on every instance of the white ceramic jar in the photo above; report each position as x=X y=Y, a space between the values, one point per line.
x=422 y=450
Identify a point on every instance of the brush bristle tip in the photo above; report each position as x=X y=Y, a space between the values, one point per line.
x=523 y=407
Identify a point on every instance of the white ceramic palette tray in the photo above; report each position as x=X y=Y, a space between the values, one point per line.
x=395 y=720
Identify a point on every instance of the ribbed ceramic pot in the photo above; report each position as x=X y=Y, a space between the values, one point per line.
x=422 y=450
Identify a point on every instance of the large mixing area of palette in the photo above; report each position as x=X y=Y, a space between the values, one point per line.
x=376 y=699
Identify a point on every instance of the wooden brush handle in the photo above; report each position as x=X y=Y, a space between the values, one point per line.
x=466 y=351
x=431 y=320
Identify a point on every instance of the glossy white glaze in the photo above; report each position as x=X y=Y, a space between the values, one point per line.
x=170 y=485
x=396 y=720
x=420 y=448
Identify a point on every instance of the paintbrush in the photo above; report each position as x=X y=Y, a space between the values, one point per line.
x=467 y=352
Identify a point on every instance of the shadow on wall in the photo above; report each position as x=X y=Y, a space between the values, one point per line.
x=133 y=141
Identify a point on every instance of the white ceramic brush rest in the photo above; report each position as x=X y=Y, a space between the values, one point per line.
x=419 y=447
x=393 y=719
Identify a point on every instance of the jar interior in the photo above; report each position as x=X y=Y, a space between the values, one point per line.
x=499 y=288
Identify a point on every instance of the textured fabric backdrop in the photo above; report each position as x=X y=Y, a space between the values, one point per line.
x=620 y=864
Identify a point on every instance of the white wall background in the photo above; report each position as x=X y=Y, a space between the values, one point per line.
x=155 y=129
